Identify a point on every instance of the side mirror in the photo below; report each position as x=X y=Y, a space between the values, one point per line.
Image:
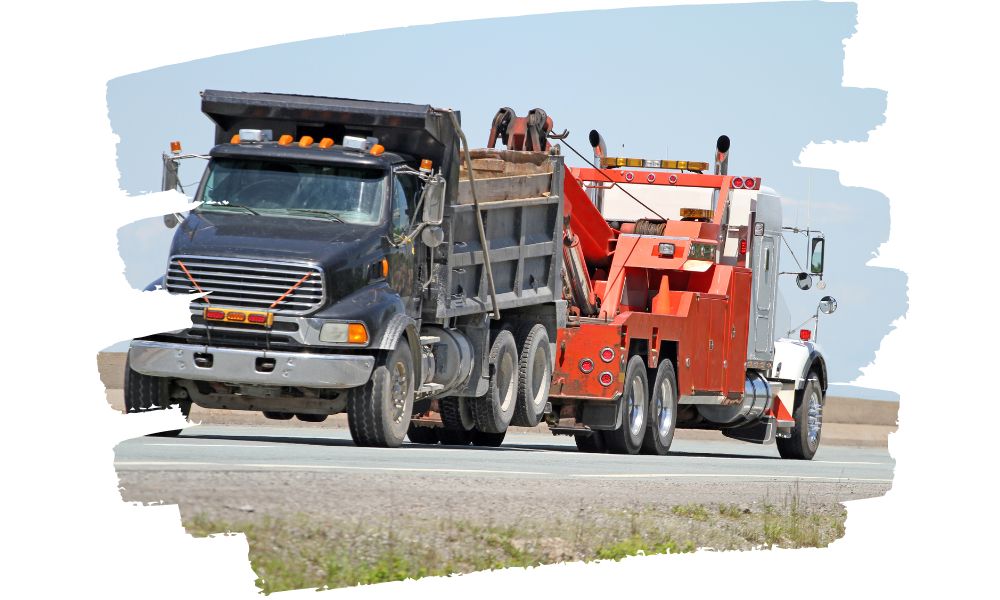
x=827 y=305
x=433 y=198
x=170 y=177
x=804 y=281
x=818 y=248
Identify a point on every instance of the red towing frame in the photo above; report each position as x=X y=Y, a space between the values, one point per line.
x=655 y=298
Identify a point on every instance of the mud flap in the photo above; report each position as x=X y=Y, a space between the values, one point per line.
x=759 y=432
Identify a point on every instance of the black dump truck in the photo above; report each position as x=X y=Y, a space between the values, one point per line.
x=355 y=256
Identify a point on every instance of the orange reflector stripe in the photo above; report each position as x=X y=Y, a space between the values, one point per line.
x=385 y=268
x=291 y=289
x=195 y=283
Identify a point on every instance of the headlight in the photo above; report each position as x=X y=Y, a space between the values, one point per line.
x=344 y=333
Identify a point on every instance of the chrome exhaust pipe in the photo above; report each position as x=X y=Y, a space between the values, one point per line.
x=600 y=151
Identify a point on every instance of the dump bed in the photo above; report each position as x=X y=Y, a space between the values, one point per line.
x=520 y=197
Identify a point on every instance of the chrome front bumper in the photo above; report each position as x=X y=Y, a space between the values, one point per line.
x=232 y=365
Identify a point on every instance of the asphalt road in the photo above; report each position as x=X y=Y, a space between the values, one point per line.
x=232 y=448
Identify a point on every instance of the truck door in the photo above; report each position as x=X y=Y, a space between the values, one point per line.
x=401 y=258
x=765 y=275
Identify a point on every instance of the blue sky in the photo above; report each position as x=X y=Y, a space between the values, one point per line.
x=664 y=82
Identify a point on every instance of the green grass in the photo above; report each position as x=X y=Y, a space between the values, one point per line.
x=324 y=552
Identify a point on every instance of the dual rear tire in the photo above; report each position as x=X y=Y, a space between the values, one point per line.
x=648 y=417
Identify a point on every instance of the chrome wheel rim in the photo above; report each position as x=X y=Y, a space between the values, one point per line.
x=815 y=418
x=664 y=408
x=635 y=405
x=398 y=386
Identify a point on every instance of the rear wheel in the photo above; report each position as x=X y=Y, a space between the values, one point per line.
x=808 y=415
x=593 y=442
x=456 y=421
x=490 y=440
x=422 y=435
x=493 y=411
x=627 y=439
x=378 y=413
x=534 y=377
x=662 y=411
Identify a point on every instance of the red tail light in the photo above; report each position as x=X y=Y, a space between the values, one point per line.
x=607 y=355
x=606 y=378
x=749 y=183
x=257 y=319
x=743 y=246
x=737 y=182
x=587 y=365
x=805 y=334
x=215 y=315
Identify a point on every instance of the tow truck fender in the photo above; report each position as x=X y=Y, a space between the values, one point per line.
x=794 y=360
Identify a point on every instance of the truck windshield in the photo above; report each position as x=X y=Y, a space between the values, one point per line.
x=345 y=193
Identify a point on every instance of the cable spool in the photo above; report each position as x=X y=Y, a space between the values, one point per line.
x=648 y=227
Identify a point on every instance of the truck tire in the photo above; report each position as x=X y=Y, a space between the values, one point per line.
x=808 y=415
x=378 y=413
x=454 y=437
x=534 y=377
x=493 y=411
x=662 y=417
x=278 y=416
x=592 y=443
x=422 y=435
x=487 y=440
x=143 y=392
x=627 y=439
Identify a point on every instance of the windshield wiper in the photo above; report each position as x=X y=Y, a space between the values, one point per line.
x=317 y=211
x=240 y=206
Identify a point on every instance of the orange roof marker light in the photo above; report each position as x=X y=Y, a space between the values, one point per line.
x=285 y=140
x=326 y=143
x=426 y=165
x=377 y=150
x=235 y=139
x=175 y=147
x=306 y=141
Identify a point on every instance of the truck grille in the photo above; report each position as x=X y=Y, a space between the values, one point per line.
x=250 y=284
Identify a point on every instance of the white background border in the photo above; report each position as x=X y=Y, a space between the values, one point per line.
x=67 y=532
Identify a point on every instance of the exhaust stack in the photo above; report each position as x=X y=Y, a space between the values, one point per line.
x=596 y=194
x=722 y=155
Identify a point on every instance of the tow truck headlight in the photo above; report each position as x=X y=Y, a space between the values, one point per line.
x=344 y=333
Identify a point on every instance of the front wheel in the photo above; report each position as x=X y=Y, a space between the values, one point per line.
x=808 y=415
x=627 y=439
x=378 y=413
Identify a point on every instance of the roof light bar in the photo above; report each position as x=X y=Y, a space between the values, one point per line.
x=614 y=162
